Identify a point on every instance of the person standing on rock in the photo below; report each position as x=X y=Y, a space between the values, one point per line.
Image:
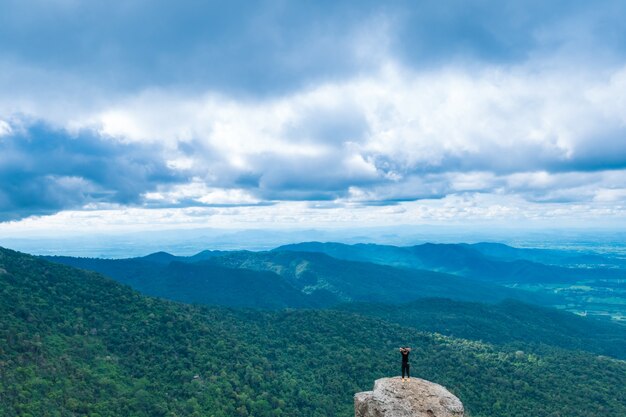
x=404 y=351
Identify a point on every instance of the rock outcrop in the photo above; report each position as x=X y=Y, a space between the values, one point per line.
x=413 y=398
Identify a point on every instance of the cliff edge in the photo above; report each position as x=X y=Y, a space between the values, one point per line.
x=413 y=398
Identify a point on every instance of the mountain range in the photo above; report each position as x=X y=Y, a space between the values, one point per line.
x=432 y=301
x=73 y=342
x=491 y=262
x=286 y=278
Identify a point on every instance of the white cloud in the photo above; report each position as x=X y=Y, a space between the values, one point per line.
x=498 y=119
x=197 y=192
x=453 y=210
x=539 y=134
x=610 y=195
x=5 y=128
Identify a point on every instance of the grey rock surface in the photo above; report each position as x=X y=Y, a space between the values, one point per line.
x=412 y=398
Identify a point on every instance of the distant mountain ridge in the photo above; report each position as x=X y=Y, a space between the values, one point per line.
x=289 y=279
x=329 y=273
x=365 y=281
x=556 y=257
x=489 y=262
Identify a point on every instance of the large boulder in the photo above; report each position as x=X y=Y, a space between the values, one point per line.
x=412 y=398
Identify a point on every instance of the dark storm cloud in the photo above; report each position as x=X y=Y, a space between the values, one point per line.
x=239 y=46
x=272 y=46
x=45 y=170
x=607 y=150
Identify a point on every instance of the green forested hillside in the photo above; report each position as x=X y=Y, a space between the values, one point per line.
x=73 y=343
x=164 y=275
x=365 y=281
x=289 y=279
x=250 y=279
x=507 y=323
x=590 y=284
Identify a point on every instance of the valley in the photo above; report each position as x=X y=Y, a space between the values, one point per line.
x=322 y=274
x=585 y=283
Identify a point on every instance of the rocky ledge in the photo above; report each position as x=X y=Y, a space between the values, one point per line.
x=412 y=398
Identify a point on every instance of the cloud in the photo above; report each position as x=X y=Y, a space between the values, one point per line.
x=272 y=47
x=5 y=128
x=239 y=47
x=272 y=104
x=489 y=212
x=44 y=170
x=395 y=135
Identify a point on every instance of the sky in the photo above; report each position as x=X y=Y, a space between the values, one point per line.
x=140 y=115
